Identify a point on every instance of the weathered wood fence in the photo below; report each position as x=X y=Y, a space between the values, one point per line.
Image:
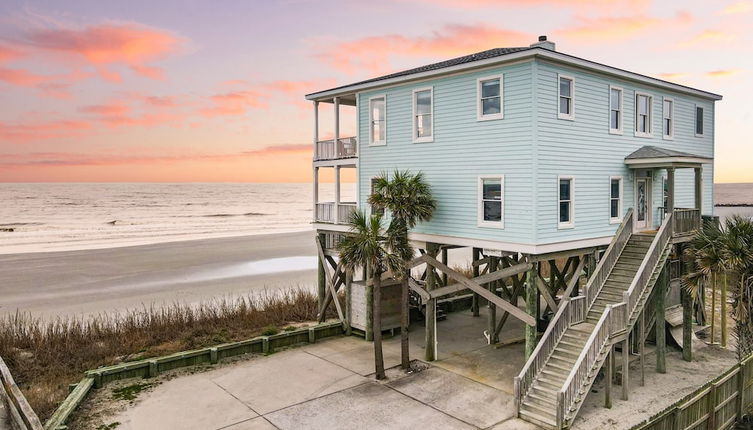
x=714 y=406
x=21 y=415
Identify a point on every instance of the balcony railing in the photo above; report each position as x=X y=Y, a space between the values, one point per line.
x=686 y=221
x=346 y=147
x=333 y=213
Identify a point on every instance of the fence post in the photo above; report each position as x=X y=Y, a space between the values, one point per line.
x=711 y=405
x=741 y=390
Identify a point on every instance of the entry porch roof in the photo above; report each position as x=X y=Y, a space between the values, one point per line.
x=653 y=156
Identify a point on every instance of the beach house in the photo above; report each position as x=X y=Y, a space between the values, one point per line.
x=548 y=166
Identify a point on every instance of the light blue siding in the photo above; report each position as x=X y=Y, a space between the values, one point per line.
x=531 y=147
x=463 y=148
x=583 y=148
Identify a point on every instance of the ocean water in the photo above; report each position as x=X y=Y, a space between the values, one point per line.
x=67 y=216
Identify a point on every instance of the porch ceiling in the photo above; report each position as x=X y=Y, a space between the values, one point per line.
x=652 y=156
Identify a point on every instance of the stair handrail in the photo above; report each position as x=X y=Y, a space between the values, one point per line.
x=643 y=275
x=607 y=262
x=570 y=310
x=588 y=356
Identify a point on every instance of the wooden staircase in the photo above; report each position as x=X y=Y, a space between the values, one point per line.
x=559 y=374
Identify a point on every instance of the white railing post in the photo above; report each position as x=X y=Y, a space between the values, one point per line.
x=316 y=130
x=316 y=191
x=337 y=194
x=337 y=127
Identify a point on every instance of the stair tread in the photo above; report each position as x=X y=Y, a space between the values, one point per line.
x=536 y=417
x=538 y=409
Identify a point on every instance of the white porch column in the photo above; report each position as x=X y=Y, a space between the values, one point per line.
x=699 y=193
x=316 y=190
x=670 y=190
x=316 y=127
x=337 y=127
x=337 y=194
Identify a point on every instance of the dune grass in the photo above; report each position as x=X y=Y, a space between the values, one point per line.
x=46 y=356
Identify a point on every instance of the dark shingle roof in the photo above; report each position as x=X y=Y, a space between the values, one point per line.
x=656 y=152
x=483 y=55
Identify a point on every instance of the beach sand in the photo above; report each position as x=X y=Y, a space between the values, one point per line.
x=76 y=283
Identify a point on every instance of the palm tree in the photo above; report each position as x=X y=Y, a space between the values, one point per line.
x=738 y=254
x=408 y=198
x=727 y=250
x=368 y=246
x=706 y=252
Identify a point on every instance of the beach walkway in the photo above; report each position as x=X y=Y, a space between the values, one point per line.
x=329 y=385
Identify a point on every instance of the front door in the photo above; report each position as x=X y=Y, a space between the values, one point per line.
x=642 y=203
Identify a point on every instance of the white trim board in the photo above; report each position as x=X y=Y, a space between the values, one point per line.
x=535 y=52
x=489 y=244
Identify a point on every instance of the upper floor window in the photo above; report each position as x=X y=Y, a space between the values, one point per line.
x=668 y=118
x=698 y=121
x=566 y=202
x=615 y=110
x=378 y=122
x=423 y=118
x=491 y=203
x=615 y=199
x=643 y=109
x=490 y=98
x=566 y=109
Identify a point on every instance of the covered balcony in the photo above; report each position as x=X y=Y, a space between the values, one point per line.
x=340 y=144
x=648 y=159
x=334 y=193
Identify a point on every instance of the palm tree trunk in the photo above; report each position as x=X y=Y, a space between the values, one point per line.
x=377 y=325
x=713 y=306
x=404 y=321
x=724 y=311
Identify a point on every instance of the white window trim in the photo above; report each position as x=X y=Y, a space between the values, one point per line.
x=622 y=110
x=650 y=116
x=695 y=120
x=561 y=115
x=618 y=219
x=479 y=108
x=371 y=125
x=480 y=197
x=671 y=135
x=413 y=116
x=571 y=223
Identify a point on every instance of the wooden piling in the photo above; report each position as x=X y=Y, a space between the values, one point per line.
x=687 y=325
x=492 y=314
x=608 y=378
x=531 y=308
x=661 y=331
x=474 y=302
x=431 y=308
x=625 y=367
x=404 y=321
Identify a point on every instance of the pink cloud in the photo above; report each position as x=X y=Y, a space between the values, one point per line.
x=596 y=30
x=474 y=4
x=706 y=38
x=235 y=103
x=373 y=53
x=41 y=130
x=722 y=73
x=738 y=8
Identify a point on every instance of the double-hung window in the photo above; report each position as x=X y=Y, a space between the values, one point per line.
x=491 y=202
x=615 y=110
x=566 y=201
x=378 y=120
x=698 y=121
x=490 y=98
x=643 y=109
x=423 y=118
x=566 y=92
x=615 y=199
x=668 y=118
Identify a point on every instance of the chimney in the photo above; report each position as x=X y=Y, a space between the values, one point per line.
x=543 y=43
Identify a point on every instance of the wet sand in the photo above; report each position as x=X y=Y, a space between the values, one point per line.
x=87 y=282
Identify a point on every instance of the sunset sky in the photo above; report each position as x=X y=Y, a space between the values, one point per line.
x=183 y=90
